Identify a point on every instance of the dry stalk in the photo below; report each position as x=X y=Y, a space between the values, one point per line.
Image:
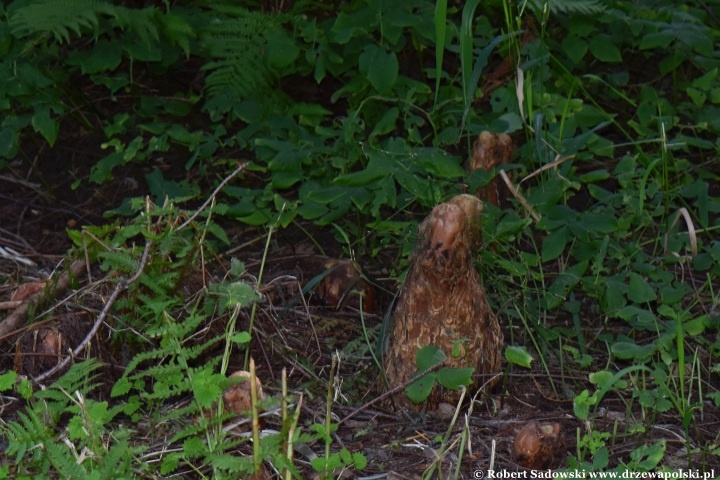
x=13 y=321
x=690 y=227
x=388 y=393
x=121 y=285
x=519 y=196
x=558 y=160
x=213 y=195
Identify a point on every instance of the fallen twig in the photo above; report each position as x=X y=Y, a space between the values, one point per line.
x=15 y=319
x=690 y=227
x=12 y=304
x=389 y=393
x=121 y=285
x=212 y=196
x=558 y=160
x=519 y=196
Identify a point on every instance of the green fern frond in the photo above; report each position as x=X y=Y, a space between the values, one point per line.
x=144 y=22
x=167 y=370
x=59 y=17
x=583 y=7
x=197 y=350
x=80 y=377
x=26 y=434
x=162 y=284
x=63 y=460
x=119 y=261
x=243 y=75
x=238 y=43
x=34 y=426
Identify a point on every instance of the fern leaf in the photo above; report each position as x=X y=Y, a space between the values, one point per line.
x=177 y=30
x=59 y=17
x=144 y=22
x=118 y=261
x=63 y=460
x=24 y=435
x=237 y=43
x=583 y=7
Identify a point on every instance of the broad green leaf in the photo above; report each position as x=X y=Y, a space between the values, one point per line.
x=387 y=123
x=385 y=195
x=161 y=188
x=143 y=51
x=359 y=460
x=631 y=351
x=519 y=356
x=281 y=50
x=194 y=447
x=420 y=389
x=76 y=429
x=696 y=326
x=697 y=96
x=258 y=217
x=574 y=47
x=454 y=378
x=285 y=179
x=516 y=269
x=311 y=210
x=379 y=67
x=613 y=290
x=46 y=126
x=603 y=48
x=234 y=294
x=440 y=164
x=510 y=225
x=554 y=244
x=428 y=357
x=639 y=291
x=237 y=267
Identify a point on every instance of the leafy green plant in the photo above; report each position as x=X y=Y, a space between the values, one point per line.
x=91 y=443
x=329 y=464
x=428 y=358
x=358 y=114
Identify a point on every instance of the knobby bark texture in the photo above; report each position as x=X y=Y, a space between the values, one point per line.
x=442 y=303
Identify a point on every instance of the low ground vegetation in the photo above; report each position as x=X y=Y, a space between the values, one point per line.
x=176 y=173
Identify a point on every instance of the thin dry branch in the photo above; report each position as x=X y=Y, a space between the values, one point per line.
x=12 y=304
x=389 y=393
x=213 y=195
x=690 y=227
x=519 y=196
x=121 y=285
x=13 y=321
x=558 y=160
